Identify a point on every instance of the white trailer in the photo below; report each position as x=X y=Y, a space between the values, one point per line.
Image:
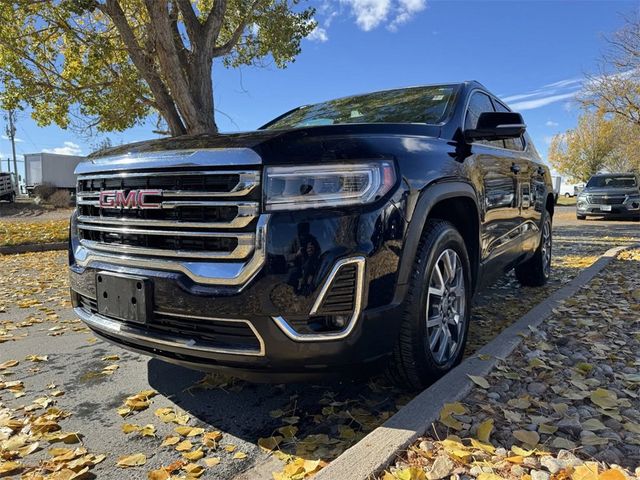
x=50 y=168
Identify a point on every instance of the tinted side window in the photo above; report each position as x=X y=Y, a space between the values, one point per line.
x=479 y=103
x=510 y=143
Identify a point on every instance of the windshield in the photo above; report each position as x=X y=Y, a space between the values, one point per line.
x=612 y=181
x=406 y=105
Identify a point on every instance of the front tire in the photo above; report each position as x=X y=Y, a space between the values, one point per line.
x=581 y=217
x=536 y=271
x=435 y=319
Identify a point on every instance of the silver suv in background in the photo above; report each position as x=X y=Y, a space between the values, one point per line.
x=610 y=195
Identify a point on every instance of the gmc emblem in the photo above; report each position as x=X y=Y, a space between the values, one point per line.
x=132 y=199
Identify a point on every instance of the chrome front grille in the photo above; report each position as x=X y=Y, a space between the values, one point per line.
x=196 y=214
x=606 y=199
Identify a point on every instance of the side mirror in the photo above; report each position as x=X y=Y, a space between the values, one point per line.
x=496 y=126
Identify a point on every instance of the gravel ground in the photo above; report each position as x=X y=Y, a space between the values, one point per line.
x=565 y=403
x=35 y=319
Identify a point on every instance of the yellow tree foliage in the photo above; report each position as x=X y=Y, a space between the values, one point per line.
x=111 y=63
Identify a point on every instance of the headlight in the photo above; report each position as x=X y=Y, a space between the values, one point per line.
x=300 y=187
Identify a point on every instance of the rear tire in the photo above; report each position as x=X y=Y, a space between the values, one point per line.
x=536 y=271
x=435 y=318
x=581 y=217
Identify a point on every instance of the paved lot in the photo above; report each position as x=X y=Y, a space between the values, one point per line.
x=35 y=319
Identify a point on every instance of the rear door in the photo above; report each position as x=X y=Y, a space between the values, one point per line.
x=499 y=196
x=528 y=173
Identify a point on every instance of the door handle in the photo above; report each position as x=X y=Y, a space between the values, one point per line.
x=515 y=168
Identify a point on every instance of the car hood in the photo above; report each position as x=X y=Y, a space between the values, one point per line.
x=265 y=142
x=610 y=191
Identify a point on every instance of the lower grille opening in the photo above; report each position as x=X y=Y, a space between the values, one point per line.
x=217 y=333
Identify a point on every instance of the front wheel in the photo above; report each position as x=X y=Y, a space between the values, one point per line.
x=536 y=271
x=435 y=320
x=581 y=217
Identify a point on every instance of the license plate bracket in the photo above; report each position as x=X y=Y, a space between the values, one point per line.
x=605 y=208
x=125 y=297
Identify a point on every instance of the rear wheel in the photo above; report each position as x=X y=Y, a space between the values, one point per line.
x=435 y=319
x=536 y=271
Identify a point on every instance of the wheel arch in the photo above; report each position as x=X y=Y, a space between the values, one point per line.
x=451 y=201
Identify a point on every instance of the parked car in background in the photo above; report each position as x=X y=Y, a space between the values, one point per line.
x=50 y=169
x=347 y=233
x=610 y=195
x=7 y=187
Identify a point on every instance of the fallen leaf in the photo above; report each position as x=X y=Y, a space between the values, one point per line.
x=134 y=460
x=480 y=381
x=484 y=430
x=527 y=437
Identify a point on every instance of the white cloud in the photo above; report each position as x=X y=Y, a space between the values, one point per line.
x=541 y=102
x=406 y=10
x=18 y=140
x=69 y=148
x=369 y=13
x=551 y=123
x=318 y=34
x=548 y=94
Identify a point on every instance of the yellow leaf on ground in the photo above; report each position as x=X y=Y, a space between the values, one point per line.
x=212 y=461
x=528 y=437
x=588 y=471
x=8 y=364
x=411 y=473
x=184 y=446
x=612 y=474
x=269 y=443
x=194 y=455
x=160 y=474
x=480 y=381
x=484 y=430
x=170 y=440
x=134 y=460
x=604 y=398
x=239 y=456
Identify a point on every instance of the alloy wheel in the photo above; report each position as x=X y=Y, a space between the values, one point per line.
x=445 y=309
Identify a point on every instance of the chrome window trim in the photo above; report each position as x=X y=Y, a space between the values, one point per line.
x=191 y=158
x=128 y=333
x=209 y=273
x=357 y=310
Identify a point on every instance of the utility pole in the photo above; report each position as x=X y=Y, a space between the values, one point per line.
x=11 y=133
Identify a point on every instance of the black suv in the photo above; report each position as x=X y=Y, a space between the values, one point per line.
x=340 y=234
x=610 y=195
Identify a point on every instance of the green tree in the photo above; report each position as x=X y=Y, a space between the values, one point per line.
x=580 y=152
x=599 y=142
x=109 y=64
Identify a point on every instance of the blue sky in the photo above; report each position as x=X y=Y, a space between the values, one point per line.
x=532 y=53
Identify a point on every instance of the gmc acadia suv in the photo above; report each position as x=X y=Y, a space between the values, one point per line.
x=345 y=233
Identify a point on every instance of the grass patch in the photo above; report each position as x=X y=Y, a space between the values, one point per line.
x=564 y=201
x=23 y=233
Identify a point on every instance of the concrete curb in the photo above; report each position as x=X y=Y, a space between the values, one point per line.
x=35 y=247
x=378 y=449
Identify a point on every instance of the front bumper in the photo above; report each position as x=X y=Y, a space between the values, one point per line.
x=618 y=210
x=238 y=327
